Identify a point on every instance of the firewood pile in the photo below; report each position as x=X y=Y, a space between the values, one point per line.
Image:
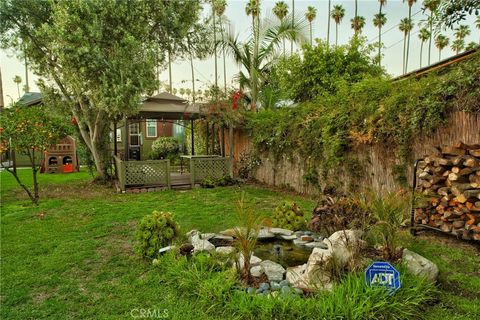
x=449 y=179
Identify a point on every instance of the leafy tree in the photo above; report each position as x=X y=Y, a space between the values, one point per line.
x=337 y=14
x=281 y=11
x=322 y=71
x=441 y=42
x=405 y=26
x=430 y=5
x=423 y=35
x=458 y=45
x=17 y=80
x=451 y=12
x=310 y=15
x=29 y=130
x=379 y=21
x=410 y=4
x=100 y=54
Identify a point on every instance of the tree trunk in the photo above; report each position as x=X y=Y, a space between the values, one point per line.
x=328 y=19
x=408 y=40
x=404 y=47
x=224 y=66
x=293 y=21
x=421 y=53
x=215 y=47
x=311 y=40
x=170 y=72
x=336 y=34
x=430 y=38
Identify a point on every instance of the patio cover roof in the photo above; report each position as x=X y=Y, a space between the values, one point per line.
x=167 y=106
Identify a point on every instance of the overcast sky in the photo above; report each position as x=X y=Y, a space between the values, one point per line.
x=392 y=38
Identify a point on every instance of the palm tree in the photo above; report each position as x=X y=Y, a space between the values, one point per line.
x=477 y=24
x=410 y=4
x=441 y=42
x=458 y=45
x=328 y=19
x=337 y=14
x=220 y=6
x=423 y=35
x=17 y=79
x=253 y=9
x=310 y=15
x=280 y=11
x=379 y=21
x=405 y=26
x=357 y=24
x=257 y=63
x=293 y=21
x=462 y=31
x=430 y=5
x=471 y=45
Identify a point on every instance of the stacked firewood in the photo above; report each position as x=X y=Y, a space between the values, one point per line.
x=449 y=179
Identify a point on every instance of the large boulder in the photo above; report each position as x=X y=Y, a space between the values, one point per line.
x=344 y=244
x=200 y=244
x=273 y=270
x=420 y=266
x=254 y=261
x=264 y=234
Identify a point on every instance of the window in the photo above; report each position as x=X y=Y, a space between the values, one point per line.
x=119 y=135
x=151 y=128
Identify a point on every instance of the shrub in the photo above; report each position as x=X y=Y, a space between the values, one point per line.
x=389 y=212
x=288 y=215
x=211 y=182
x=165 y=147
x=155 y=231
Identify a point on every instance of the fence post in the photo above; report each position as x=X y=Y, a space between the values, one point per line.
x=230 y=166
x=121 y=174
x=169 y=182
x=192 y=172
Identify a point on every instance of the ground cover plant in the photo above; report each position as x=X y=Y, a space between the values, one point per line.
x=72 y=256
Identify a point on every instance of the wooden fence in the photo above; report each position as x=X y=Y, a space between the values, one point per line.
x=376 y=163
x=152 y=173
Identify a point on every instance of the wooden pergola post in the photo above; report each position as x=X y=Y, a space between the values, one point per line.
x=192 y=136
x=115 y=147
x=206 y=137
x=125 y=156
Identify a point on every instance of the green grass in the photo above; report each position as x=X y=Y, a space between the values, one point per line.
x=72 y=256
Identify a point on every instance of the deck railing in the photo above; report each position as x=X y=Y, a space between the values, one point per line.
x=142 y=173
x=217 y=167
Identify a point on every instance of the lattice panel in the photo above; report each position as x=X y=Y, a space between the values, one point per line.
x=216 y=168
x=146 y=173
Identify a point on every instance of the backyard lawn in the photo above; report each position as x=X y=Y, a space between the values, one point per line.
x=72 y=256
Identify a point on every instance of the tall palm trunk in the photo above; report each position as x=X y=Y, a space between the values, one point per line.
x=253 y=74
x=293 y=20
x=430 y=39
x=215 y=46
x=439 y=54
x=404 y=50
x=421 y=54
x=224 y=64
x=336 y=33
x=408 y=40
x=311 y=39
x=380 y=39
x=170 y=72
x=328 y=27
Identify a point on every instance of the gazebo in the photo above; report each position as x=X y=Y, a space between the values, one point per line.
x=137 y=174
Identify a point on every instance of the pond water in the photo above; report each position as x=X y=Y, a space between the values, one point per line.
x=283 y=252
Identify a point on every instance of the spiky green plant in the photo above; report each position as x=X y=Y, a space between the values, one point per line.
x=246 y=236
x=389 y=211
x=154 y=232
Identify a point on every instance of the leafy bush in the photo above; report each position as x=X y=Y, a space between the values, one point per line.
x=165 y=148
x=211 y=182
x=288 y=215
x=154 y=232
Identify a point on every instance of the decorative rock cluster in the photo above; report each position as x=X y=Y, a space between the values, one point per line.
x=274 y=288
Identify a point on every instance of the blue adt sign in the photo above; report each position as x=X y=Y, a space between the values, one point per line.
x=383 y=274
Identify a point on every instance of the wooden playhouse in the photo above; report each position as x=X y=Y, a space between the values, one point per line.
x=61 y=157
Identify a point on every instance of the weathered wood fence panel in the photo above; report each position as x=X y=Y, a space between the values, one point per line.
x=201 y=168
x=376 y=162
